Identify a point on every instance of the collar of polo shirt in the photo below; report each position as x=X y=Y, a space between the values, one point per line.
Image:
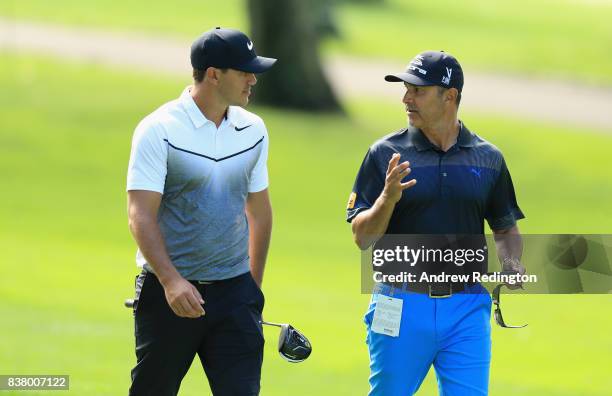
x=198 y=119
x=420 y=141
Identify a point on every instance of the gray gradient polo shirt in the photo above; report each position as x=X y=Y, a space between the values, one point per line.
x=455 y=192
x=204 y=174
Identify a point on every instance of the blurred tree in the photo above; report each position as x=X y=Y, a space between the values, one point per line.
x=365 y=1
x=324 y=21
x=287 y=30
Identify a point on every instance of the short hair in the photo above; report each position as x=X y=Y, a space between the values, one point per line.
x=441 y=90
x=199 y=74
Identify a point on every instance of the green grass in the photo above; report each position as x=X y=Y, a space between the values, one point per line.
x=67 y=256
x=187 y=18
x=551 y=38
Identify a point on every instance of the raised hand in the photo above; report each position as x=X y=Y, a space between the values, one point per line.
x=396 y=172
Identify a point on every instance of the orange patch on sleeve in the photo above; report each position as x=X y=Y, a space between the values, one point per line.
x=351 y=201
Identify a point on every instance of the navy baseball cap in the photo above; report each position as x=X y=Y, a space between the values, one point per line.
x=431 y=68
x=227 y=49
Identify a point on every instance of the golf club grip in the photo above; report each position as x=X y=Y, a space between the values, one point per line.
x=129 y=303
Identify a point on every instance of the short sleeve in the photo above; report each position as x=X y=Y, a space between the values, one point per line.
x=369 y=184
x=148 y=160
x=259 y=174
x=502 y=211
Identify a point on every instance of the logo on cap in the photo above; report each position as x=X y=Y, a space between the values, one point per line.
x=225 y=48
x=422 y=71
x=418 y=60
x=431 y=68
x=449 y=72
x=415 y=63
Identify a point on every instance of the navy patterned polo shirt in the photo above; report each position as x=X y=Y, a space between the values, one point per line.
x=455 y=192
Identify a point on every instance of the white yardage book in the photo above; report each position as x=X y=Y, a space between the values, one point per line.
x=387 y=316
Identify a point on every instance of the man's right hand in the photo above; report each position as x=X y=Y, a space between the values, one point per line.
x=393 y=182
x=184 y=298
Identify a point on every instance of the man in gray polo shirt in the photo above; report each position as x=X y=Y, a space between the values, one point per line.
x=200 y=213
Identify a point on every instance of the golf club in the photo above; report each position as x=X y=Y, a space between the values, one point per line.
x=499 y=319
x=293 y=346
x=129 y=303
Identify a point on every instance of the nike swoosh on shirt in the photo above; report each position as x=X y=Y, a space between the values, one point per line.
x=243 y=128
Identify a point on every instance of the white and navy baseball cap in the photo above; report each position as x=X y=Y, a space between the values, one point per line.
x=431 y=68
x=227 y=49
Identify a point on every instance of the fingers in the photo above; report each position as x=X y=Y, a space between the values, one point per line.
x=396 y=172
x=514 y=286
x=399 y=172
x=185 y=300
x=197 y=295
x=184 y=308
x=178 y=309
x=393 y=162
x=192 y=303
x=187 y=307
x=519 y=269
x=409 y=184
x=197 y=301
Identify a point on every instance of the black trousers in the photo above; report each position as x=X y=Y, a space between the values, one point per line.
x=228 y=339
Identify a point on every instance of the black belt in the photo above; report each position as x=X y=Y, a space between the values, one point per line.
x=218 y=281
x=144 y=273
x=434 y=290
x=201 y=282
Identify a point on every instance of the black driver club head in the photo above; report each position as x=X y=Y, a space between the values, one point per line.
x=293 y=346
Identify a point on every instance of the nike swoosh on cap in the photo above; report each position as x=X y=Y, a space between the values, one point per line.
x=243 y=128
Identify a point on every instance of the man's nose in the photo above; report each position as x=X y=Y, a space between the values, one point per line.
x=252 y=79
x=407 y=98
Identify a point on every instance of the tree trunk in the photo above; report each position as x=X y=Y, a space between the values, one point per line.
x=285 y=29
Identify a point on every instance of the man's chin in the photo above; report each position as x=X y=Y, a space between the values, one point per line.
x=241 y=103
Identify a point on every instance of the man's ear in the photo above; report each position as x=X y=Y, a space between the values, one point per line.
x=212 y=75
x=451 y=95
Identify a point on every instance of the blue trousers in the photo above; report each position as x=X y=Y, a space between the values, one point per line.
x=453 y=334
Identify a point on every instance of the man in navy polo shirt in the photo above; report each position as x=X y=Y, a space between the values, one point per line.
x=434 y=177
x=200 y=213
